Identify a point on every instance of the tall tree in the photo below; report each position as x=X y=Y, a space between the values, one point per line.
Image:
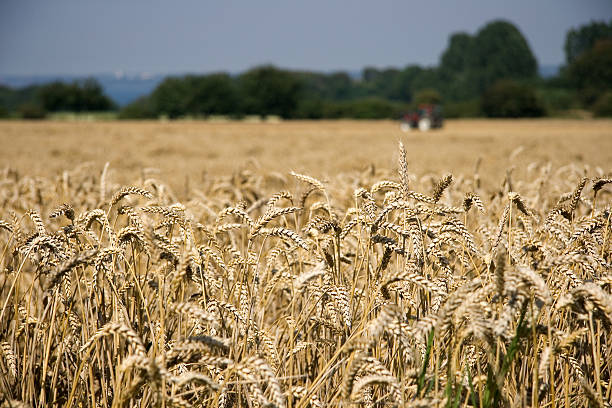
x=214 y=94
x=501 y=52
x=471 y=64
x=584 y=38
x=268 y=90
x=78 y=96
x=591 y=72
x=456 y=57
x=169 y=98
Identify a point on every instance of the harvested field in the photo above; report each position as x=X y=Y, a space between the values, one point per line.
x=423 y=281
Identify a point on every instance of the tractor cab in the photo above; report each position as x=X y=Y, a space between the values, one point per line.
x=427 y=116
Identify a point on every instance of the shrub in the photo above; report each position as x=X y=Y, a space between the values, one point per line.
x=139 y=109
x=79 y=96
x=267 y=90
x=370 y=108
x=428 y=96
x=558 y=99
x=593 y=68
x=31 y=111
x=312 y=108
x=603 y=106
x=464 y=109
x=509 y=99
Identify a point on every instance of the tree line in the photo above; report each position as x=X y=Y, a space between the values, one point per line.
x=491 y=73
x=33 y=102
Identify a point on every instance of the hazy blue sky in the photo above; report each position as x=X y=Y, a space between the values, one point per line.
x=164 y=36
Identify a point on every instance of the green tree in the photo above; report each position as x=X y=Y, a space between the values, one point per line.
x=603 y=105
x=200 y=95
x=11 y=99
x=170 y=97
x=310 y=108
x=78 y=96
x=388 y=83
x=582 y=39
x=510 y=99
x=31 y=110
x=57 y=96
x=412 y=79
x=334 y=86
x=428 y=78
x=401 y=87
x=456 y=57
x=92 y=97
x=366 y=108
x=501 y=52
x=428 y=96
x=370 y=74
x=456 y=69
x=214 y=94
x=470 y=65
x=591 y=72
x=268 y=90
x=141 y=108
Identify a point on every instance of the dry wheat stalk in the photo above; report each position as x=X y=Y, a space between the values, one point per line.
x=125 y=191
x=341 y=308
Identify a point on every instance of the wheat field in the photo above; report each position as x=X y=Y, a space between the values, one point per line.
x=321 y=264
x=188 y=153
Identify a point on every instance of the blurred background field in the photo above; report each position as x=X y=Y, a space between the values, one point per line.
x=183 y=152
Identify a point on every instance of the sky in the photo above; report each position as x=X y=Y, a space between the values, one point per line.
x=80 y=37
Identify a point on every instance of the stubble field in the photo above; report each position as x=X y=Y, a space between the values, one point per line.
x=306 y=264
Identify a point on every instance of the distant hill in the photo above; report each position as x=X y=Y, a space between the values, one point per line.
x=122 y=89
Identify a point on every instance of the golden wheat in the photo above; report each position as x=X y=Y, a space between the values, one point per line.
x=261 y=290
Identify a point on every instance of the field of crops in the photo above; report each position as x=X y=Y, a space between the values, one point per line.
x=184 y=154
x=306 y=264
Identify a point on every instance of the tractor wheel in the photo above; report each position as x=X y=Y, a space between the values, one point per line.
x=424 y=124
x=405 y=127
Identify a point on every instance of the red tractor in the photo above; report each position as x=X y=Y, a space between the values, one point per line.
x=426 y=117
